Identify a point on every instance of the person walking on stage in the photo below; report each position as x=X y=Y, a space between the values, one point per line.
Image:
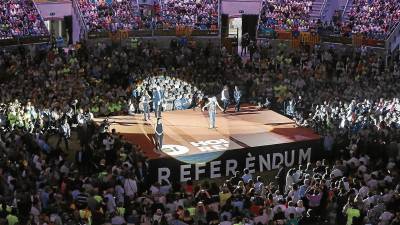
x=158 y=98
x=237 y=95
x=146 y=99
x=159 y=134
x=212 y=110
x=225 y=98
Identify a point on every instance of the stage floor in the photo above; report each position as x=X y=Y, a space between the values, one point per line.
x=187 y=136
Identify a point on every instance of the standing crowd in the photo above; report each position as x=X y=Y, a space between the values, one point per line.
x=350 y=98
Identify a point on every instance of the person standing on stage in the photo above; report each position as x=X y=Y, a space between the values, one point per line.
x=237 y=95
x=158 y=98
x=193 y=103
x=146 y=99
x=159 y=134
x=212 y=110
x=225 y=97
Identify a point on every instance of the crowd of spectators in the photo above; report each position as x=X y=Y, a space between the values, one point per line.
x=348 y=97
x=110 y=15
x=374 y=19
x=150 y=14
x=285 y=15
x=20 y=19
x=200 y=14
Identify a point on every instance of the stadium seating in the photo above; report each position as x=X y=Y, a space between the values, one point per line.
x=110 y=15
x=20 y=19
x=114 y=15
x=200 y=14
x=374 y=19
x=285 y=14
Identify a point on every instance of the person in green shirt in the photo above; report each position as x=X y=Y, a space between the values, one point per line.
x=12 y=118
x=118 y=106
x=95 y=109
x=238 y=221
x=351 y=212
x=12 y=219
x=292 y=220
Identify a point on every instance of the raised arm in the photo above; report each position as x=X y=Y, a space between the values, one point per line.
x=219 y=106
x=206 y=105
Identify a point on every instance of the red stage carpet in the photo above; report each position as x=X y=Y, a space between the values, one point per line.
x=186 y=132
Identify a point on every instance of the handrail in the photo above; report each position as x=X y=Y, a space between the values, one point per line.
x=219 y=25
x=137 y=7
x=323 y=8
x=392 y=31
x=80 y=16
x=391 y=36
x=161 y=14
x=41 y=17
x=259 y=18
x=136 y=10
x=345 y=8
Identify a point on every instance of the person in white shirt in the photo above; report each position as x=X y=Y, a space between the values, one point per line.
x=130 y=187
x=291 y=209
x=300 y=209
x=259 y=185
x=212 y=110
x=225 y=98
x=289 y=179
x=108 y=142
x=337 y=173
x=131 y=107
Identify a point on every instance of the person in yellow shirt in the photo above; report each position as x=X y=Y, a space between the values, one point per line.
x=224 y=195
